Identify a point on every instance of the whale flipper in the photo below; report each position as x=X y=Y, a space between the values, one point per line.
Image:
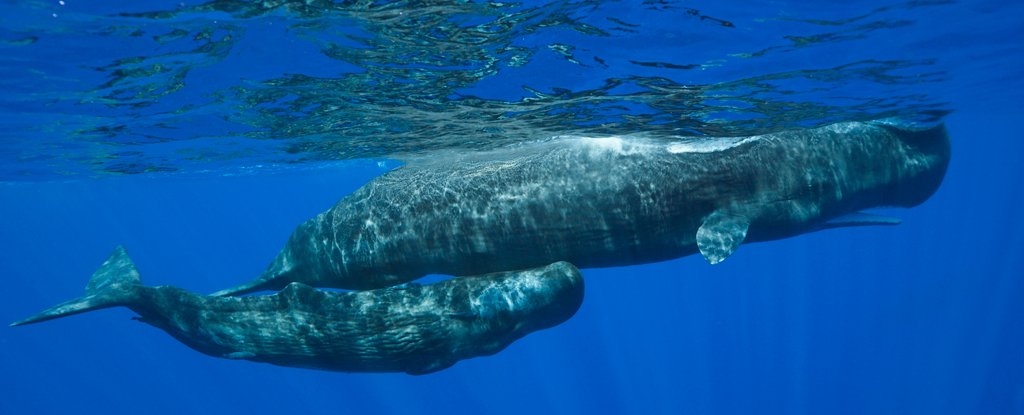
x=110 y=286
x=720 y=235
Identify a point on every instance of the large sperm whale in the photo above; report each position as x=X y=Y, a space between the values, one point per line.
x=612 y=201
x=413 y=328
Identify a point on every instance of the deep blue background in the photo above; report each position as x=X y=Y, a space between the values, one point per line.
x=925 y=317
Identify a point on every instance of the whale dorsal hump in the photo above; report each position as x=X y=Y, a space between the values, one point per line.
x=720 y=235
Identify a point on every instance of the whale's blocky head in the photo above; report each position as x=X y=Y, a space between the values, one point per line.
x=926 y=156
x=497 y=309
x=547 y=296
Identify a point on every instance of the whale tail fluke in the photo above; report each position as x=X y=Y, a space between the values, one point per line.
x=114 y=284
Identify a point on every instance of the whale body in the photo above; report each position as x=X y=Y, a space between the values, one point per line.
x=612 y=201
x=413 y=328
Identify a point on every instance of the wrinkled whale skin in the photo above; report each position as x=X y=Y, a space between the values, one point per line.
x=411 y=328
x=598 y=202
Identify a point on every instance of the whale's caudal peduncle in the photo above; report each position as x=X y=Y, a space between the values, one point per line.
x=608 y=201
x=413 y=328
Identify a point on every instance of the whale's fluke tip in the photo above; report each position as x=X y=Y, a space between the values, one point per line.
x=113 y=284
x=38 y=318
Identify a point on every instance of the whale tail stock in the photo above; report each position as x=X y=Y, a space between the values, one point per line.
x=114 y=284
x=277 y=276
x=249 y=287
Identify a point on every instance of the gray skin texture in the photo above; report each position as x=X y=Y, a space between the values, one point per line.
x=607 y=202
x=411 y=328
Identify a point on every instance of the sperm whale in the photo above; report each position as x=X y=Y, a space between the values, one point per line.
x=412 y=328
x=608 y=201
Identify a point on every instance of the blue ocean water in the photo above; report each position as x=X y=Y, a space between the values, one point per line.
x=199 y=135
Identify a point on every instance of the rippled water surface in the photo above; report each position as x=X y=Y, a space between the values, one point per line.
x=93 y=88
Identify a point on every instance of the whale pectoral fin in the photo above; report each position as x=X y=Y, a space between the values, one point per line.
x=860 y=219
x=720 y=235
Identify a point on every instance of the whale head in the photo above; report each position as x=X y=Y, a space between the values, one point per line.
x=924 y=159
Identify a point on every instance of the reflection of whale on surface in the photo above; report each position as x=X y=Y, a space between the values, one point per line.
x=413 y=328
x=607 y=202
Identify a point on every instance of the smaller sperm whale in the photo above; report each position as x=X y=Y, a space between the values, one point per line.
x=411 y=328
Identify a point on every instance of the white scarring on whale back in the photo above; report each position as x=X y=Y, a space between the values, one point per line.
x=704 y=145
x=630 y=145
x=626 y=145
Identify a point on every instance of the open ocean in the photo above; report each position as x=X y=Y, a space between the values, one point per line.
x=199 y=135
